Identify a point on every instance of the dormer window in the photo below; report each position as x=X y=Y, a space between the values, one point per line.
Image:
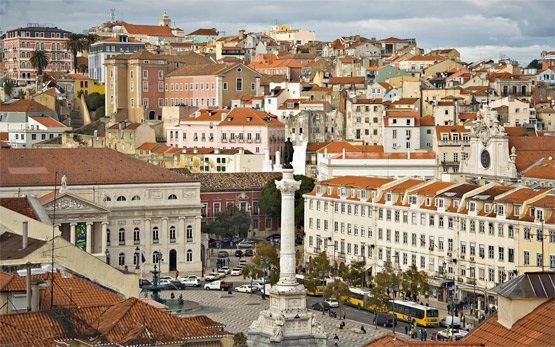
x=342 y=191
x=388 y=197
x=539 y=214
x=500 y=209
x=532 y=212
x=439 y=203
x=517 y=210
x=412 y=199
x=353 y=193
x=363 y=194
x=472 y=206
x=428 y=201
x=318 y=189
x=487 y=207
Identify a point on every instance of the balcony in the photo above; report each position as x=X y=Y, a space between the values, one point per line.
x=470 y=280
x=341 y=254
x=449 y=163
x=156 y=241
x=136 y=242
x=122 y=242
x=256 y=140
x=173 y=240
x=453 y=142
x=224 y=140
x=189 y=239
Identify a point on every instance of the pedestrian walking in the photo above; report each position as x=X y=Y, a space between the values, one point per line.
x=406 y=329
x=425 y=333
x=344 y=315
x=362 y=330
x=336 y=340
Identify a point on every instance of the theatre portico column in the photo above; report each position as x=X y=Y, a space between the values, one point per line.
x=89 y=237
x=103 y=237
x=72 y=232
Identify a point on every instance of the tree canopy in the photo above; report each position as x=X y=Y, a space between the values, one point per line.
x=354 y=274
x=336 y=289
x=264 y=264
x=229 y=223
x=77 y=43
x=270 y=200
x=8 y=86
x=414 y=281
x=39 y=61
x=319 y=266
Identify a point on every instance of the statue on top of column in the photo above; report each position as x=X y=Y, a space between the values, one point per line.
x=288 y=154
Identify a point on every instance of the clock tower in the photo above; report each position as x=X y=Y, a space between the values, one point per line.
x=489 y=157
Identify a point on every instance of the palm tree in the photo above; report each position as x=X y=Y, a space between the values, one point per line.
x=39 y=61
x=77 y=43
x=9 y=85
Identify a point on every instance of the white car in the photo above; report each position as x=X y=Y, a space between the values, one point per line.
x=212 y=276
x=165 y=280
x=333 y=302
x=245 y=288
x=236 y=271
x=242 y=262
x=222 y=273
x=190 y=281
x=226 y=269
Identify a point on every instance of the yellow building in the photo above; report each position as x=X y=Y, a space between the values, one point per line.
x=76 y=84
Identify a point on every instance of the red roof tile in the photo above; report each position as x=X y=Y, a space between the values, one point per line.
x=346 y=80
x=250 y=117
x=25 y=106
x=205 y=32
x=150 y=30
x=19 y=205
x=49 y=122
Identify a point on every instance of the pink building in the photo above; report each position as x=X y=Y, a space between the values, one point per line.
x=248 y=128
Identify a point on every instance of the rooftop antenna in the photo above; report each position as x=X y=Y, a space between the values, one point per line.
x=113 y=14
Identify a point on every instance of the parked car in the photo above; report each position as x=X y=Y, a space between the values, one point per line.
x=245 y=288
x=218 y=285
x=223 y=254
x=164 y=281
x=176 y=285
x=242 y=262
x=236 y=271
x=275 y=238
x=447 y=320
x=212 y=276
x=258 y=284
x=245 y=244
x=249 y=252
x=144 y=283
x=384 y=319
x=190 y=281
x=226 y=269
x=238 y=253
x=222 y=273
x=446 y=334
x=333 y=302
x=321 y=306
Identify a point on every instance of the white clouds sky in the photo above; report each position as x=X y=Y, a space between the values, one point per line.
x=519 y=29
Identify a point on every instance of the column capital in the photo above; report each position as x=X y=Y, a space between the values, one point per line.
x=89 y=223
x=104 y=223
x=73 y=224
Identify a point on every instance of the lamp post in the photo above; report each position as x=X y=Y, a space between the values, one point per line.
x=107 y=254
x=137 y=258
x=333 y=244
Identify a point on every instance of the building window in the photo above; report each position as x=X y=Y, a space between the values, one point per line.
x=539 y=260
x=107 y=237
x=189 y=256
x=189 y=233
x=121 y=198
x=136 y=235
x=526 y=258
x=121 y=236
x=121 y=259
x=155 y=232
x=172 y=197
x=172 y=234
x=239 y=84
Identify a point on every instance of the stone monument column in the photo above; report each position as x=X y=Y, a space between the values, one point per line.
x=287 y=322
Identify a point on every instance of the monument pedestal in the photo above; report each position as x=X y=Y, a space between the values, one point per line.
x=287 y=322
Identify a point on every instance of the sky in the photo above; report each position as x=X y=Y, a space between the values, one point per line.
x=479 y=29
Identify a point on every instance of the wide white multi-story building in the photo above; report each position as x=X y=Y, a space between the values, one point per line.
x=461 y=234
x=120 y=209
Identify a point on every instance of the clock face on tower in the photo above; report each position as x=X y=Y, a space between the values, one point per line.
x=485 y=159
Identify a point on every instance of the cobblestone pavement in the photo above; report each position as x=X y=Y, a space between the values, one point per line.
x=238 y=311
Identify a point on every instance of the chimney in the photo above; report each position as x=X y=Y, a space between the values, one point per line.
x=96 y=133
x=28 y=284
x=28 y=94
x=195 y=150
x=343 y=153
x=241 y=150
x=242 y=34
x=25 y=235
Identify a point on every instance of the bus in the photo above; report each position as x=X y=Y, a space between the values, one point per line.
x=318 y=291
x=412 y=312
x=359 y=298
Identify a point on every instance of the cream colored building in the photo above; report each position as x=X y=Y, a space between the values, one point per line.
x=111 y=205
x=364 y=121
x=456 y=232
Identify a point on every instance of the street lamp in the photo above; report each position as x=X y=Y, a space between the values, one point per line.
x=333 y=244
x=137 y=259
x=107 y=254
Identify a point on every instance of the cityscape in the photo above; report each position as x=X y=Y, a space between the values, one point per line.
x=322 y=178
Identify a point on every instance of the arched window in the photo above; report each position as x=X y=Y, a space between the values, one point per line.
x=172 y=233
x=135 y=198
x=121 y=198
x=121 y=236
x=107 y=237
x=189 y=256
x=136 y=235
x=107 y=198
x=155 y=231
x=189 y=233
x=172 y=197
x=121 y=259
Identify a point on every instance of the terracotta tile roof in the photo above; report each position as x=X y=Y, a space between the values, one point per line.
x=11 y=243
x=426 y=58
x=199 y=70
x=391 y=39
x=403 y=186
x=547 y=201
x=535 y=329
x=544 y=169
x=125 y=126
x=315 y=146
x=129 y=322
x=150 y=30
x=520 y=195
x=36 y=167
x=19 y=205
x=389 y=155
x=431 y=189
x=49 y=122
x=367 y=101
x=397 y=340
x=466 y=116
x=386 y=85
x=457 y=129
x=427 y=120
x=529 y=149
x=148 y=146
x=244 y=116
x=546 y=110
x=77 y=76
x=374 y=68
x=116 y=39
x=205 y=32
x=25 y=106
x=405 y=101
x=358 y=181
x=346 y=80
x=4 y=135
x=490 y=193
x=204 y=115
x=338 y=147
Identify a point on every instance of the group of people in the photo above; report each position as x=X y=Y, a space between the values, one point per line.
x=414 y=333
x=222 y=262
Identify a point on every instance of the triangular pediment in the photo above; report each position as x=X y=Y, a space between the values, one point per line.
x=69 y=202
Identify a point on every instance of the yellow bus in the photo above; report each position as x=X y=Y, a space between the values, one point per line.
x=318 y=291
x=409 y=311
x=359 y=297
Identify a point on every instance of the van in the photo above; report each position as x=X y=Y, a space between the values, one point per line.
x=385 y=319
x=446 y=322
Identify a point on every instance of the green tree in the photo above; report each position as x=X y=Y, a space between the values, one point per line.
x=336 y=289
x=414 y=281
x=39 y=61
x=264 y=264
x=94 y=101
x=534 y=64
x=239 y=340
x=270 y=200
x=387 y=279
x=8 y=86
x=77 y=43
x=230 y=222
x=319 y=266
x=354 y=275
